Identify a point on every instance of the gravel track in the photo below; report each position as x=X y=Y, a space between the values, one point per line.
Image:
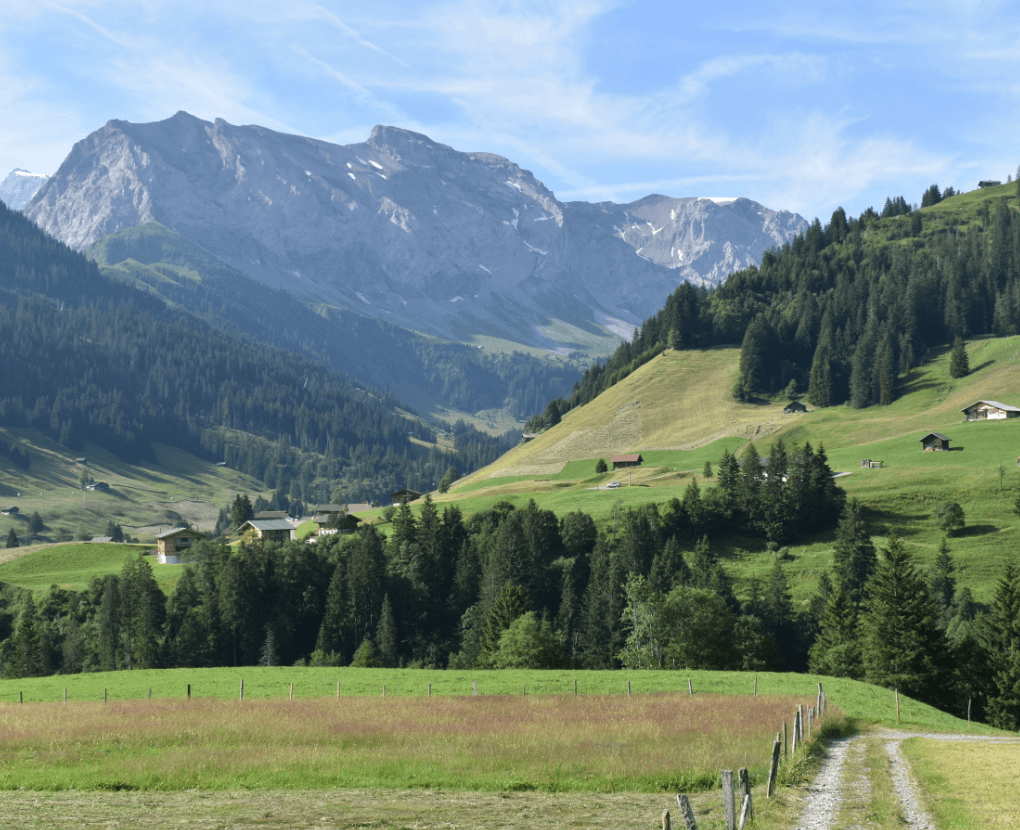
x=833 y=786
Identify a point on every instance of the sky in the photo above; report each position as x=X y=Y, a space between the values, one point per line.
x=798 y=105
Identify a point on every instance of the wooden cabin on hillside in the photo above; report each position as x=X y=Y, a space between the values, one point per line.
x=629 y=460
x=794 y=407
x=989 y=411
x=404 y=497
x=268 y=530
x=171 y=546
x=934 y=442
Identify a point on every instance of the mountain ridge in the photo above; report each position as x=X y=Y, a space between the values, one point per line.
x=401 y=227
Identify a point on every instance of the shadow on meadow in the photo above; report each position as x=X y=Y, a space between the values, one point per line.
x=975 y=530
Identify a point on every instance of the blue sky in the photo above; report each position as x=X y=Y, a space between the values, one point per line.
x=786 y=103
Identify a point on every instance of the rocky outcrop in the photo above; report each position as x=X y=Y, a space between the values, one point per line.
x=404 y=228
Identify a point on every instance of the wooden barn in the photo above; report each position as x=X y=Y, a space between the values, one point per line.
x=989 y=411
x=631 y=460
x=793 y=407
x=934 y=442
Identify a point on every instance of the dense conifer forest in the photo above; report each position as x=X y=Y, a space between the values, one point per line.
x=88 y=359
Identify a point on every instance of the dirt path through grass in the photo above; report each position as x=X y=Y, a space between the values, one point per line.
x=866 y=782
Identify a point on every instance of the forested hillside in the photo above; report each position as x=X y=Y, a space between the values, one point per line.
x=844 y=310
x=425 y=372
x=87 y=359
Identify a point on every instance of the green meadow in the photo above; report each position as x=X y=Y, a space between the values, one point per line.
x=73 y=566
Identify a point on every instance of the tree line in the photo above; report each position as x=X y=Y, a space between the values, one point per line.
x=519 y=587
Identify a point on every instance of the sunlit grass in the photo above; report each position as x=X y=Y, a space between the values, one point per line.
x=644 y=743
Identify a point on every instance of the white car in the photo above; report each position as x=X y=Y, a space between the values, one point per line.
x=613 y=485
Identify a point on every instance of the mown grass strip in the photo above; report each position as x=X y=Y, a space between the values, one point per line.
x=967 y=784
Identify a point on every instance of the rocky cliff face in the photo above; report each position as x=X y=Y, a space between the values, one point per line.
x=19 y=187
x=404 y=228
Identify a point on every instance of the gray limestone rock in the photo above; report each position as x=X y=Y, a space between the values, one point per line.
x=404 y=228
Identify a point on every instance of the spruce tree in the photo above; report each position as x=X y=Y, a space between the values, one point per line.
x=837 y=648
x=1002 y=641
x=959 y=364
x=386 y=636
x=903 y=646
x=942 y=582
x=12 y=539
x=853 y=555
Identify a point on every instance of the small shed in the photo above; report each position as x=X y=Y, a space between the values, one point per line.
x=934 y=442
x=10 y=511
x=989 y=411
x=793 y=407
x=170 y=545
x=631 y=460
x=404 y=496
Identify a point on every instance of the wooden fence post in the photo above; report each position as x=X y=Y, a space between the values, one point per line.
x=338 y=690
x=384 y=692
x=727 y=795
x=104 y=696
x=474 y=687
x=65 y=697
x=291 y=691
x=666 y=825
x=746 y=812
x=430 y=690
x=189 y=691
x=628 y=688
x=690 y=687
x=969 y=699
x=575 y=687
x=897 y=692
x=743 y=784
x=241 y=692
x=686 y=813
x=773 y=767
x=525 y=692
x=150 y=694
x=756 y=685
x=786 y=741
x=21 y=697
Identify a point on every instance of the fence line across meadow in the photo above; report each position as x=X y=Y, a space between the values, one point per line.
x=116 y=686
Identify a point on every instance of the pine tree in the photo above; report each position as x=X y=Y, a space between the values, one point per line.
x=1002 y=641
x=942 y=583
x=959 y=363
x=386 y=636
x=853 y=554
x=903 y=646
x=837 y=648
x=12 y=539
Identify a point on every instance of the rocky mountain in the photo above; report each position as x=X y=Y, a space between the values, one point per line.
x=19 y=187
x=459 y=245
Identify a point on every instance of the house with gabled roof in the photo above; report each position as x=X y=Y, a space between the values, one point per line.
x=172 y=545
x=989 y=411
x=269 y=530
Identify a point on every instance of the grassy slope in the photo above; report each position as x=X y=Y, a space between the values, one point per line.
x=139 y=499
x=677 y=411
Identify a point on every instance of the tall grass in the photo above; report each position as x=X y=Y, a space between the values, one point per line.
x=648 y=743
